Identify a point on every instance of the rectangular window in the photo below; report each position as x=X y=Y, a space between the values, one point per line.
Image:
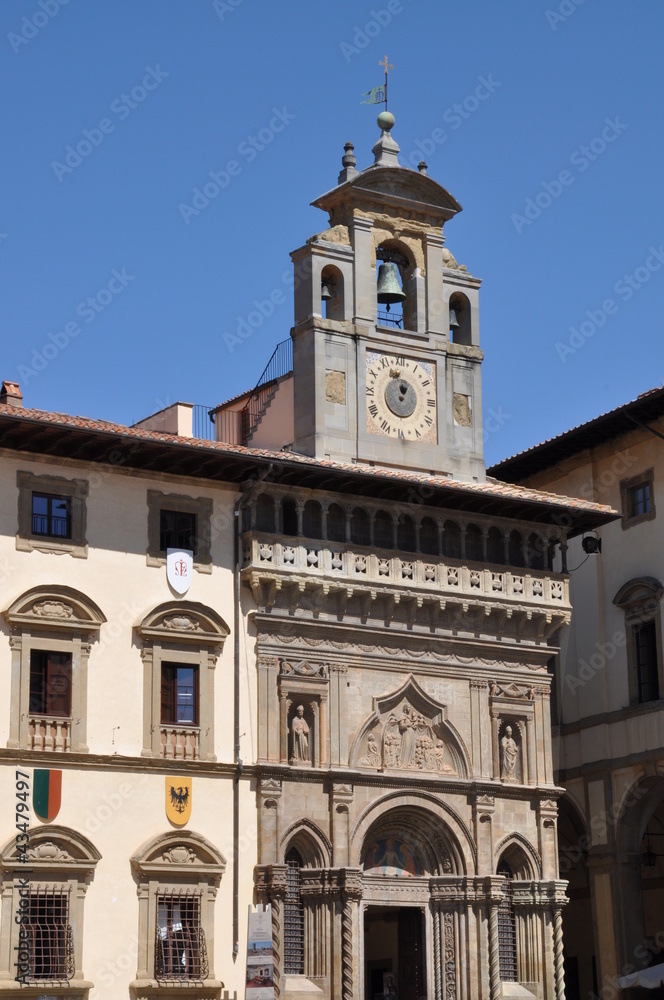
x=49 y=935
x=51 y=515
x=179 y=694
x=180 y=950
x=645 y=646
x=50 y=683
x=638 y=500
x=177 y=530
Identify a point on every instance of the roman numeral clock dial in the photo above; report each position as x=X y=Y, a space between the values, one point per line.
x=401 y=397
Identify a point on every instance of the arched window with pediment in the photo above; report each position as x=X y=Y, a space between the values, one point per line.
x=53 y=630
x=42 y=922
x=178 y=875
x=640 y=601
x=182 y=641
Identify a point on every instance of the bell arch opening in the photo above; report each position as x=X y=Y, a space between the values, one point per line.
x=395 y=287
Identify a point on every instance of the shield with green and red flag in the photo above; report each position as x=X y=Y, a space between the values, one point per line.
x=46 y=793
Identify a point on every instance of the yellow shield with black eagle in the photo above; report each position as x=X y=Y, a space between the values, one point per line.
x=178 y=799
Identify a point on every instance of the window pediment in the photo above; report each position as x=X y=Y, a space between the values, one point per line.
x=53 y=849
x=179 y=853
x=56 y=607
x=641 y=590
x=184 y=621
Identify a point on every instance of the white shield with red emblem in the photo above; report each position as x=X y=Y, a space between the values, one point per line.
x=179 y=569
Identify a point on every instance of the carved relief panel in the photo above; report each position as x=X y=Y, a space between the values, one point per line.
x=409 y=731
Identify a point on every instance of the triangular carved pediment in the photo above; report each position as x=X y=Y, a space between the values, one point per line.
x=408 y=730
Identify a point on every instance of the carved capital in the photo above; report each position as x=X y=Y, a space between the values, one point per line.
x=352 y=883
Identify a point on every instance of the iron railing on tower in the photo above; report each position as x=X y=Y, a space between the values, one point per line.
x=279 y=365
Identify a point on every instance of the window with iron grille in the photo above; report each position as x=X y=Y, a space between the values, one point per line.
x=293 y=918
x=180 y=948
x=645 y=648
x=177 y=530
x=50 y=683
x=48 y=935
x=507 y=929
x=51 y=515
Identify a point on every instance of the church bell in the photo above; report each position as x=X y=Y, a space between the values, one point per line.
x=389 y=289
x=454 y=322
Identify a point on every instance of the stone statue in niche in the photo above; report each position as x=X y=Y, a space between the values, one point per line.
x=409 y=742
x=510 y=756
x=300 y=731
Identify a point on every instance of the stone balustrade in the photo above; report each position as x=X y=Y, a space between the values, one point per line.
x=358 y=567
x=180 y=742
x=48 y=732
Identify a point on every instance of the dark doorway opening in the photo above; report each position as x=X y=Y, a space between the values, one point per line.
x=394 y=953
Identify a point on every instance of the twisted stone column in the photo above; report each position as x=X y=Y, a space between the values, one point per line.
x=352 y=894
x=437 y=957
x=494 y=952
x=275 y=903
x=347 y=951
x=559 y=963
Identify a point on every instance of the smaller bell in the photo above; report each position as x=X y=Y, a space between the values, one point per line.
x=325 y=292
x=388 y=287
x=454 y=322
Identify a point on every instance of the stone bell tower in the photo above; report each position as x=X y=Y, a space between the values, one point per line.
x=387 y=374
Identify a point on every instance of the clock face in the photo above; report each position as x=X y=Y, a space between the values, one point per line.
x=401 y=397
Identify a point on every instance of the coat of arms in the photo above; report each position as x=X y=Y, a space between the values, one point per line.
x=179 y=569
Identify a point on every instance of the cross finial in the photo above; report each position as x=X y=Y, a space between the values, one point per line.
x=386 y=66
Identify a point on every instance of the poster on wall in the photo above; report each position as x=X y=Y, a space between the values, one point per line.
x=260 y=957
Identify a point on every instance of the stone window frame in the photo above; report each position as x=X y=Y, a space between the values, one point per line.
x=57 y=857
x=57 y=619
x=183 y=504
x=189 y=633
x=646 y=477
x=171 y=862
x=640 y=600
x=75 y=490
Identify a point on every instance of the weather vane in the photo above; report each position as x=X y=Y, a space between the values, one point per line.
x=378 y=95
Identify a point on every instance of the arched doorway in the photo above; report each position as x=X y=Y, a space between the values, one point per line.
x=578 y=923
x=406 y=933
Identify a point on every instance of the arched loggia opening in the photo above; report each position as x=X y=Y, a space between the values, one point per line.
x=578 y=936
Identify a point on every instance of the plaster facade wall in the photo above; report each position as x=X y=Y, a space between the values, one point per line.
x=610 y=742
x=113 y=794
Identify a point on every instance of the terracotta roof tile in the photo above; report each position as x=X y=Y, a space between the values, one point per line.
x=490 y=488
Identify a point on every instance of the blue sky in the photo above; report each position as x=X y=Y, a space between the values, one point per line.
x=557 y=162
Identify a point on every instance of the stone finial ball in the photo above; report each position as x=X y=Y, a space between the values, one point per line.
x=385 y=120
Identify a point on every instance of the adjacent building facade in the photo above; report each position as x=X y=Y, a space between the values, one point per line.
x=609 y=712
x=333 y=699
